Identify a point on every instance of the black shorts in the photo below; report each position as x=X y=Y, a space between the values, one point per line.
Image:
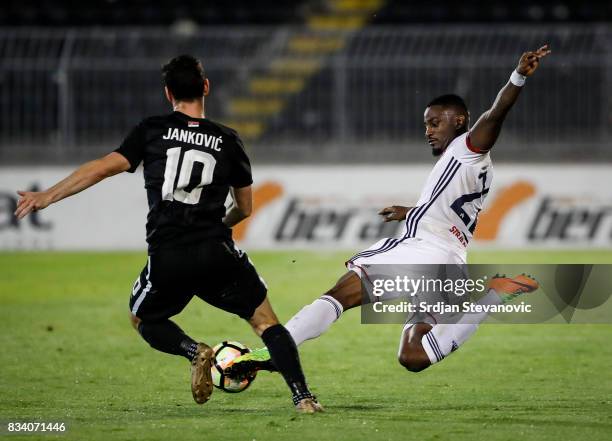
x=215 y=271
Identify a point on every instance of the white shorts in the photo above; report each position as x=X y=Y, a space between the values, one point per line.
x=408 y=251
x=396 y=255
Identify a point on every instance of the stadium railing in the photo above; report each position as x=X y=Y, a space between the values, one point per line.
x=67 y=95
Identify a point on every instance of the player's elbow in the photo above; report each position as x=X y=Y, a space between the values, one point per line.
x=99 y=171
x=109 y=165
x=244 y=212
x=100 y=175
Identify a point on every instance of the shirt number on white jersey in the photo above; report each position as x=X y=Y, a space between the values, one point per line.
x=457 y=206
x=192 y=197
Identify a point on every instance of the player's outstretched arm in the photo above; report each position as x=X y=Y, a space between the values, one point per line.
x=242 y=207
x=83 y=177
x=486 y=130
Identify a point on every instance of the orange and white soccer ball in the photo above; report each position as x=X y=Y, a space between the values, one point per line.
x=225 y=353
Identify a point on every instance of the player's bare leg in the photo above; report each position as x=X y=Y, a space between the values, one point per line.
x=263 y=318
x=166 y=336
x=423 y=345
x=347 y=291
x=284 y=356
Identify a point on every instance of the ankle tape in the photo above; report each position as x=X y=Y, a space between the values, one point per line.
x=299 y=397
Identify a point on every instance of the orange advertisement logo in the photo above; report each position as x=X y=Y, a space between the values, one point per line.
x=490 y=220
x=262 y=196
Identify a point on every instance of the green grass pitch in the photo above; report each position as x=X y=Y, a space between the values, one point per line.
x=69 y=354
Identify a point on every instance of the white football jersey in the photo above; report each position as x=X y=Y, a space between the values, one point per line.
x=447 y=210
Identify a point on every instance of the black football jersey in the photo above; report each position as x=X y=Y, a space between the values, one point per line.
x=189 y=166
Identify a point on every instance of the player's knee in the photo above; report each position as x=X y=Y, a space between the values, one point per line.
x=135 y=321
x=263 y=317
x=260 y=328
x=413 y=362
x=260 y=322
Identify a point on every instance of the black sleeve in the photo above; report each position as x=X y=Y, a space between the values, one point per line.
x=133 y=147
x=241 y=173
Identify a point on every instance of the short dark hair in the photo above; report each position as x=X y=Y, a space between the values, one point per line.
x=184 y=77
x=449 y=100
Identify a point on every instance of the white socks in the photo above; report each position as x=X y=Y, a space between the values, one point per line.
x=314 y=319
x=446 y=338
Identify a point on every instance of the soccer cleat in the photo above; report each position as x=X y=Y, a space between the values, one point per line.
x=246 y=364
x=508 y=288
x=201 y=378
x=309 y=405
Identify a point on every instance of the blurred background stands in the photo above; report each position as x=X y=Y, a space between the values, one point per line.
x=307 y=81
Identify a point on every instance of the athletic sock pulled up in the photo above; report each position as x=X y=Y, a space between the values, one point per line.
x=285 y=356
x=314 y=319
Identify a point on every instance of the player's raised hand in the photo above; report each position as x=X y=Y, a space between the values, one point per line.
x=530 y=61
x=30 y=201
x=394 y=213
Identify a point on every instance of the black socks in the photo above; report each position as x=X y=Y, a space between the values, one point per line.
x=166 y=336
x=284 y=355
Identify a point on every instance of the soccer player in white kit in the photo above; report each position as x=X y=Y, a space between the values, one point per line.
x=436 y=231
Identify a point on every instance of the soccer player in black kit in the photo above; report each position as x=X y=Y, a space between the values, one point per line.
x=190 y=164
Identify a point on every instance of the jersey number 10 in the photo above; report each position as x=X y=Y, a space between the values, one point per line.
x=180 y=193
